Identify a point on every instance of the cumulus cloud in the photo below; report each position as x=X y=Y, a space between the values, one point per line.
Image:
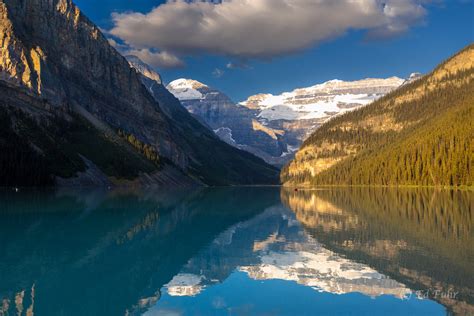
x=402 y=14
x=157 y=59
x=116 y=45
x=260 y=28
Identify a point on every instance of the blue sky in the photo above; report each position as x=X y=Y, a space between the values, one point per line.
x=416 y=42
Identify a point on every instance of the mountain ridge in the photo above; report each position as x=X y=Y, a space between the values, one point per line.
x=416 y=135
x=52 y=52
x=368 y=86
x=273 y=127
x=143 y=68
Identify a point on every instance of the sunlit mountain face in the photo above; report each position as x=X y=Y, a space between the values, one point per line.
x=236 y=251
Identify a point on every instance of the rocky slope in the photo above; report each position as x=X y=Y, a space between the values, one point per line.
x=67 y=80
x=233 y=123
x=274 y=126
x=420 y=134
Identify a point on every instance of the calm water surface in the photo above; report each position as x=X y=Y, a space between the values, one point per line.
x=237 y=251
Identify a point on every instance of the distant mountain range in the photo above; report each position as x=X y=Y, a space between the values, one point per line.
x=420 y=134
x=74 y=112
x=274 y=126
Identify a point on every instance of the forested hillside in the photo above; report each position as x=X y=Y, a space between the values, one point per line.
x=420 y=134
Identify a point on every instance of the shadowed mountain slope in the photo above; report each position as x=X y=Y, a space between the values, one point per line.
x=71 y=100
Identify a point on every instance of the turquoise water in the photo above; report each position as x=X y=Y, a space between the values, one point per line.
x=237 y=251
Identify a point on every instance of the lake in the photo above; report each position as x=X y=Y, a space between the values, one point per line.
x=237 y=251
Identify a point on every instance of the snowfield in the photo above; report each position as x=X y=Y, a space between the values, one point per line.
x=186 y=89
x=322 y=100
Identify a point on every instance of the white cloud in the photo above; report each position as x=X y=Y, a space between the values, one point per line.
x=237 y=65
x=260 y=28
x=116 y=45
x=218 y=73
x=158 y=59
x=155 y=59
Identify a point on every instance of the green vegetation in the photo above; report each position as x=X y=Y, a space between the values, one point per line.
x=34 y=153
x=114 y=157
x=228 y=165
x=145 y=149
x=211 y=160
x=429 y=142
x=440 y=153
x=19 y=163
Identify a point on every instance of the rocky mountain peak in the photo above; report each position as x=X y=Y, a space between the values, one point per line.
x=186 y=84
x=413 y=77
x=143 y=68
x=253 y=102
x=46 y=44
x=187 y=89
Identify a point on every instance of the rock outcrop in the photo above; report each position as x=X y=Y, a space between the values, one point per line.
x=144 y=68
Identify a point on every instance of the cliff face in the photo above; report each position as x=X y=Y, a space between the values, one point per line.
x=233 y=123
x=51 y=51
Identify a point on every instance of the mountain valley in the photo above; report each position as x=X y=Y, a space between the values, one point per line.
x=274 y=126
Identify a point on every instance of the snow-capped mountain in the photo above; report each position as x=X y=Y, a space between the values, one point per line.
x=321 y=101
x=274 y=126
x=235 y=124
x=187 y=89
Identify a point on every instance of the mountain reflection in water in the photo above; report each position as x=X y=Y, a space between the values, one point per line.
x=420 y=237
x=236 y=251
